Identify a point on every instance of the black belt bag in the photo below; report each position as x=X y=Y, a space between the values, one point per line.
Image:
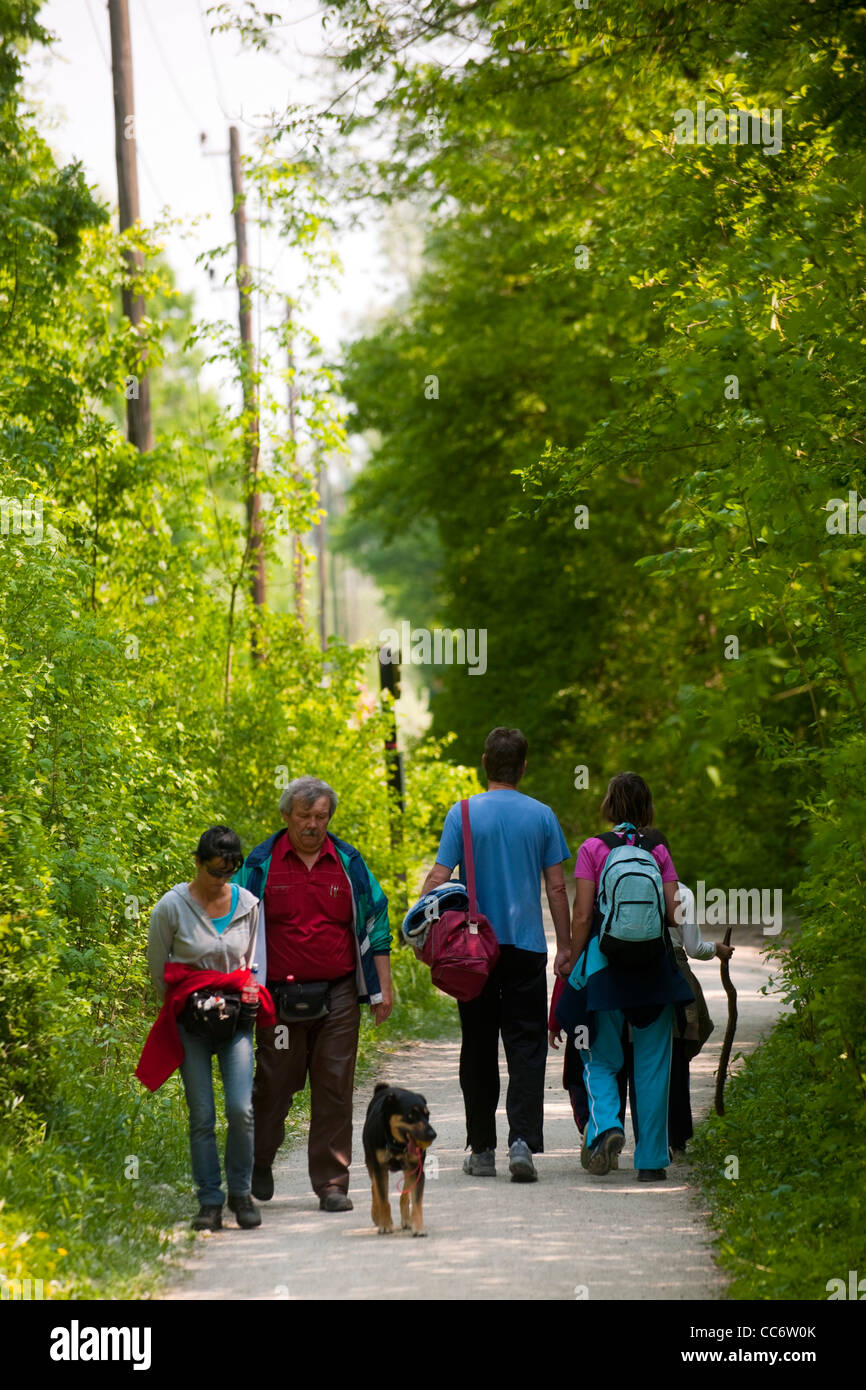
x=212 y=1013
x=302 y=1001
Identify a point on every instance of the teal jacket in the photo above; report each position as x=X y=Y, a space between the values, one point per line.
x=369 y=911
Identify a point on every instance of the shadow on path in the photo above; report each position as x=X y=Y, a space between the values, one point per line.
x=567 y=1236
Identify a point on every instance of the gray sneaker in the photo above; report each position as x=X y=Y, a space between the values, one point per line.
x=480 y=1165
x=520 y=1162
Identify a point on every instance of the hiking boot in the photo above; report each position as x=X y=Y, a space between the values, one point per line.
x=651 y=1175
x=604 y=1152
x=208 y=1219
x=480 y=1164
x=520 y=1162
x=263 y=1182
x=335 y=1201
x=585 y=1152
x=246 y=1211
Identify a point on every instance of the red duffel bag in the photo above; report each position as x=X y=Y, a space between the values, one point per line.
x=461 y=947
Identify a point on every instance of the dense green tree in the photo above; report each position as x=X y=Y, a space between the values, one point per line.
x=705 y=300
x=131 y=713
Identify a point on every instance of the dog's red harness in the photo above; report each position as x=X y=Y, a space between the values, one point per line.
x=412 y=1149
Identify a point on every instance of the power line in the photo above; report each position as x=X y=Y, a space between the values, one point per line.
x=98 y=36
x=209 y=47
x=167 y=66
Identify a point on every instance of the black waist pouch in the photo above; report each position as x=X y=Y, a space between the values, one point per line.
x=302 y=1001
x=212 y=1013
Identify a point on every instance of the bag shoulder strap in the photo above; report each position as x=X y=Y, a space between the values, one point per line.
x=647 y=839
x=469 y=857
x=650 y=839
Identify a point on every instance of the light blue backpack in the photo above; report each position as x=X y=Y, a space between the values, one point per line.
x=631 y=901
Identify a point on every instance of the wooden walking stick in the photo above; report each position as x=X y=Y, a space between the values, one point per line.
x=728 y=1042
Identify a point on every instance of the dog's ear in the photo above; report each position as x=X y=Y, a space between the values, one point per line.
x=385 y=1093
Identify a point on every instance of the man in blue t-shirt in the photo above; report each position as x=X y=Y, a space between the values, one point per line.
x=515 y=840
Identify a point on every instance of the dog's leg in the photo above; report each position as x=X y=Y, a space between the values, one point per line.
x=405 y=1199
x=380 y=1191
x=374 y=1209
x=417 y=1212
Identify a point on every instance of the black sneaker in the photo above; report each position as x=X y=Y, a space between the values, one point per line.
x=263 y=1182
x=208 y=1219
x=335 y=1200
x=604 y=1152
x=246 y=1211
x=651 y=1175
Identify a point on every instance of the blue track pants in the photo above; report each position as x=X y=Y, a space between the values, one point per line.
x=652 y=1067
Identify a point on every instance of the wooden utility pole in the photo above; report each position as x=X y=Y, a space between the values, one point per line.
x=297 y=555
x=137 y=387
x=322 y=555
x=250 y=395
x=389 y=679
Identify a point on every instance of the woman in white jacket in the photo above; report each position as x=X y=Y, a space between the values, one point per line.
x=687 y=941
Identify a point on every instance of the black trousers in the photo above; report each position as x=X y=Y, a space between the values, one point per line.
x=513 y=1003
x=680 y=1126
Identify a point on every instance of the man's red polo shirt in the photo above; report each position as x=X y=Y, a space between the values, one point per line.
x=308 y=913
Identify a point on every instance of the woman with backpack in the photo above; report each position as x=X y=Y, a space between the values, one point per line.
x=201 y=954
x=689 y=1034
x=623 y=970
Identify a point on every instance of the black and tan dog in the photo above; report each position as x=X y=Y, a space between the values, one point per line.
x=397 y=1134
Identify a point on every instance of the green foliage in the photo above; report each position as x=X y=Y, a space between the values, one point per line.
x=666 y=334
x=141 y=700
x=670 y=335
x=793 y=1218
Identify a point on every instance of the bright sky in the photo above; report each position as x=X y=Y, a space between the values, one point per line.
x=188 y=83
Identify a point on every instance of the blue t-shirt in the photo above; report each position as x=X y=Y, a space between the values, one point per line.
x=514 y=838
x=219 y=924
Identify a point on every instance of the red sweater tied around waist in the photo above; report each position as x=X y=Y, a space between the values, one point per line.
x=163 y=1051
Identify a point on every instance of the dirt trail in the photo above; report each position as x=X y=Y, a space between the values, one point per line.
x=552 y=1239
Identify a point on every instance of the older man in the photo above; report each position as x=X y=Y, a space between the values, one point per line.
x=325 y=920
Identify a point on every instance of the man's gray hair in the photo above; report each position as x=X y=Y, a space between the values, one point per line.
x=308 y=790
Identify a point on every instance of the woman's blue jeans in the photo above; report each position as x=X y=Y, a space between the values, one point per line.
x=236 y=1067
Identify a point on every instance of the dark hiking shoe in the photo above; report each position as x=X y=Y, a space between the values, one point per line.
x=246 y=1211
x=651 y=1175
x=520 y=1162
x=208 y=1219
x=481 y=1164
x=604 y=1153
x=263 y=1182
x=335 y=1201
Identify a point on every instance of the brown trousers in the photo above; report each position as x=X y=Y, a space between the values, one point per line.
x=327 y=1049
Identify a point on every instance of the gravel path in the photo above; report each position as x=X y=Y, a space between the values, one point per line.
x=568 y=1236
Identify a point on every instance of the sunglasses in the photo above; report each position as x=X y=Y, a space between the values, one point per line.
x=223 y=873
